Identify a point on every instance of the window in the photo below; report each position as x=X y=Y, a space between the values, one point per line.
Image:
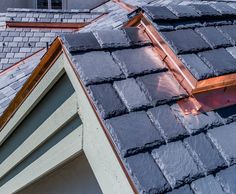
x=49 y=4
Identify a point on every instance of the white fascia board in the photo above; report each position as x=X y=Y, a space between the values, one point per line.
x=101 y=157
x=66 y=149
x=50 y=126
x=52 y=76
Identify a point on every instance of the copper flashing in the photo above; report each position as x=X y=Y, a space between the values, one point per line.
x=76 y=26
x=46 y=62
x=124 y=5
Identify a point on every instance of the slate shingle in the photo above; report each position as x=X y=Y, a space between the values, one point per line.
x=131 y=94
x=182 y=190
x=183 y=11
x=97 y=67
x=227 y=113
x=196 y=66
x=170 y=128
x=229 y=31
x=156 y=184
x=136 y=36
x=197 y=123
x=108 y=105
x=204 y=152
x=176 y=164
x=161 y=87
x=81 y=42
x=232 y=51
x=138 y=61
x=223 y=8
x=213 y=37
x=133 y=132
x=205 y=10
x=160 y=13
x=219 y=60
x=227 y=178
x=207 y=185
x=185 y=41
x=224 y=139
x=112 y=38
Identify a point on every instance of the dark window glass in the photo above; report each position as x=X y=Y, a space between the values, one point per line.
x=56 y=4
x=42 y=4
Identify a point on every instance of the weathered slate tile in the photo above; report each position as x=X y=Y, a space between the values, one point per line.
x=224 y=139
x=156 y=184
x=111 y=38
x=183 y=11
x=227 y=178
x=176 y=163
x=197 y=123
x=205 y=10
x=161 y=87
x=228 y=114
x=207 y=185
x=136 y=36
x=229 y=31
x=185 y=41
x=159 y=13
x=138 y=61
x=133 y=132
x=196 y=66
x=213 y=37
x=170 y=128
x=131 y=94
x=107 y=100
x=204 y=152
x=223 y=8
x=219 y=60
x=97 y=66
x=232 y=51
x=182 y=190
x=81 y=42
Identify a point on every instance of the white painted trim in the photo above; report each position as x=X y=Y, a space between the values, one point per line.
x=101 y=157
x=46 y=130
x=67 y=148
x=32 y=100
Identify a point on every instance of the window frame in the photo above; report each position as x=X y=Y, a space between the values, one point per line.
x=64 y=4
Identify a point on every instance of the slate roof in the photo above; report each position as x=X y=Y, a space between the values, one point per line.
x=51 y=16
x=202 y=35
x=184 y=153
x=163 y=150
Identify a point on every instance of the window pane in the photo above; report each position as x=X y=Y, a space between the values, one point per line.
x=42 y=4
x=56 y=4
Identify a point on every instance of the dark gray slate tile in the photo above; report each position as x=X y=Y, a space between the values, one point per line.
x=81 y=41
x=232 y=51
x=227 y=178
x=185 y=41
x=150 y=180
x=107 y=100
x=224 y=139
x=176 y=163
x=183 y=11
x=136 y=36
x=138 y=61
x=207 y=185
x=205 y=10
x=97 y=66
x=196 y=66
x=213 y=37
x=161 y=87
x=89 y=4
x=223 y=8
x=197 y=123
x=111 y=38
x=170 y=128
x=131 y=94
x=182 y=190
x=219 y=60
x=228 y=114
x=229 y=31
x=133 y=132
x=159 y=13
x=204 y=152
